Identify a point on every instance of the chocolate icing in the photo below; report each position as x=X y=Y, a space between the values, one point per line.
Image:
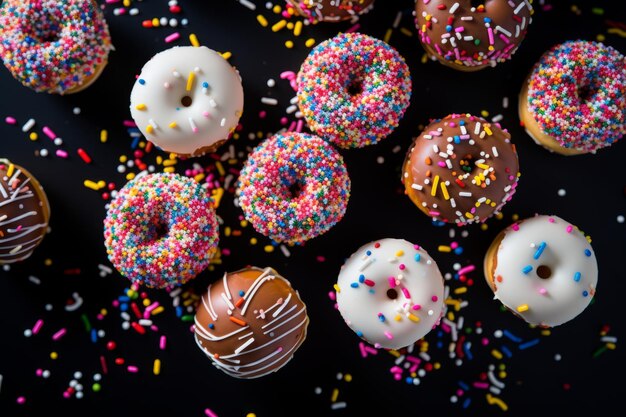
x=250 y=322
x=477 y=181
x=24 y=213
x=331 y=10
x=509 y=20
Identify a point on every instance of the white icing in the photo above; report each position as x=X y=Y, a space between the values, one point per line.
x=361 y=306
x=551 y=301
x=214 y=110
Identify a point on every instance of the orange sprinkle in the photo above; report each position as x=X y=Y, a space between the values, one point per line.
x=238 y=321
x=239 y=302
x=428 y=161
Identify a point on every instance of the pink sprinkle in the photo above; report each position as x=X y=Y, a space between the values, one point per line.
x=504 y=38
x=299 y=125
x=294 y=84
x=209 y=413
x=39 y=372
x=133 y=369
x=490 y=33
x=406 y=293
x=292 y=126
x=61 y=153
x=354 y=28
x=37 y=326
x=569 y=229
x=49 y=132
x=459 y=29
x=21 y=400
x=369 y=282
x=332 y=295
x=466 y=269
x=162 y=342
x=551 y=220
x=484 y=341
x=441 y=164
x=454 y=245
x=402 y=267
x=392 y=282
x=416 y=307
x=434 y=298
x=482 y=385
x=287 y=75
x=172 y=37
x=59 y=334
x=515 y=227
x=389 y=335
x=112 y=1
x=543 y=291
x=395 y=370
x=10 y=120
x=129 y=123
x=320 y=258
x=284 y=121
x=262 y=114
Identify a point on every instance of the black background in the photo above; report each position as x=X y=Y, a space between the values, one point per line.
x=188 y=383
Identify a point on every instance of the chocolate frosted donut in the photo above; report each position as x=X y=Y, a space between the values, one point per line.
x=24 y=213
x=331 y=10
x=461 y=169
x=250 y=322
x=470 y=38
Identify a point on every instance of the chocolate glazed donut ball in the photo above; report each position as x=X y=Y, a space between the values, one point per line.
x=24 y=213
x=250 y=322
x=331 y=10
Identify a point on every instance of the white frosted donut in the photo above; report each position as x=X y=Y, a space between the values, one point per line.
x=390 y=292
x=543 y=269
x=187 y=100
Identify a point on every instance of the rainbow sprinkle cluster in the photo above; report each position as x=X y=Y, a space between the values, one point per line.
x=353 y=90
x=53 y=46
x=161 y=230
x=293 y=187
x=329 y=10
x=587 y=123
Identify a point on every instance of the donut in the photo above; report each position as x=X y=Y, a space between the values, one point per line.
x=293 y=187
x=574 y=99
x=187 y=100
x=161 y=230
x=469 y=38
x=330 y=10
x=250 y=322
x=390 y=293
x=54 y=46
x=461 y=169
x=24 y=213
x=353 y=90
x=542 y=269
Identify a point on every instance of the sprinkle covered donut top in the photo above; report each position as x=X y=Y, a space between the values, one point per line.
x=466 y=36
x=53 y=46
x=353 y=89
x=330 y=10
x=577 y=94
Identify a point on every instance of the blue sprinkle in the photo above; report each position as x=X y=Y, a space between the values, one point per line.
x=448 y=28
x=241 y=293
x=528 y=344
x=372 y=291
x=439 y=344
x=179 y=311
x=507 y=352
x=417 y=257
x=458 y=250
x=540 y=249
x=464 y=386
x=368 y=253
x=355 y=285
x=94 y=335
x=467 y=402
x=585 y=293
x=124 y=307
x=135 y=142
x=211 y=326
x=409 y=380
x=361 y=278
x=587 y=252
x=359 y=333
x=511 y=336
x=141 y=81
x=457 y=139
x=527 y=269
x=123 y=298
x=577 y=276
x=381 y=317
x=468 y=352
x=487 y=20
x=205 y=85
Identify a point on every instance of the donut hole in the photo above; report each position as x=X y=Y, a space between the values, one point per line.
x=355 y=87
x=585 y=93
x=44 y=27
x=544 y=272
x=295 y=189
x=467 y=163
x=186 y=101
x=392 y=293
x=158 y=230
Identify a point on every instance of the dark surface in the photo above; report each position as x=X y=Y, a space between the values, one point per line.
x=188 y=383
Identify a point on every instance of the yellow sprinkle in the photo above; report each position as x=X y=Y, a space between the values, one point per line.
x=489 y=132
x=444 y=190
x=254 y=241
x=483 y=166
x=334 y=396
x=309 y=42
x=54 y=355
x=199 y=177
x=450 y=316
x=268 y=248
x=611 y=345
x=460 y=290
x=90 y=184
x=484 y=227
x=104 y=135
x=227 y=231
x=617 y=31
x=515 y=217
x=497 y=401
x=169 y=162
x=33 y=136
x=10 y=170
x=424 y=28
x=424 y=58
x=262 y=20
x=126 y=3
x=146 y=302
x=433 y=190
x=395 y=353
x=399 y=253
x=140 y=106
x=414 y=318
x=217 y=197
x=279 y=25
x=337 y=289
x=220 y=168
x=444 y=248
x=522 y=308
x=194 y=40
x=243 y=223
x=226 y=55
x=546 y=332
x=156 y=368
x=387 y=35
x=155 y=22
x=453 y=302
x=290 y=25
x=600 y=37
x=406 y=32
x=397 y=317
x=484 y=113
x=347 y=377
x=149 y=129
x=496 y=354
x=173 y=125
x=104 y=311
x=289 y=44
x=47 y=262
x=192 y=75
x=169 y=169
x=250 y=415
x=297 y=28
x=277 y=9
x=469 y=215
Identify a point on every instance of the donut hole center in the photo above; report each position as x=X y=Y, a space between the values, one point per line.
x=544 y=272
x=186 y=101
x=355 y=87
x=467 y=163
x=295 y=189
x=585 y=93
x=158 y=231
x=392 y=293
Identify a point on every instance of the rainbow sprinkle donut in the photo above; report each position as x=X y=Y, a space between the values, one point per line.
x=293 y=187
x=161 y=230
x=54 y=46
x=353 y=90
x=574 y=100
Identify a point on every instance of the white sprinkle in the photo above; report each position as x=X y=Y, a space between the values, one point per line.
x=468 y=38
x=494 y=150
x=291 y=109
x=557 y=357
x=271 y=82
x=28 y=125
x=212 y=103
x=43 y=152
x=620 y=219
x=269 y=100
x=609 y=339
x=223 y=122
x=34 y=280
x=506 y=32
x=454 y=7
x=247 y=4
x=561 y=192
x=396 y=21
x=176 y=74
x=497 y=118
x=293 y=100
x=452 y=202
x=505 y=102
x=134 y=11
x=380 y=160
x=76 y=110
x=448 y=164
x=465 y=194
x=153 y=123
x=58 y=141
x=477 y=128
x=337 y=406
x=173 y=22
x=416 y=187
x=467 y=18
x=519 y=7
x=285 y=251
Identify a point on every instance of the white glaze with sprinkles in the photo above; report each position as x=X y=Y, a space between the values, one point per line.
x=390 y=293
x=187 y=99
x=545 y=241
